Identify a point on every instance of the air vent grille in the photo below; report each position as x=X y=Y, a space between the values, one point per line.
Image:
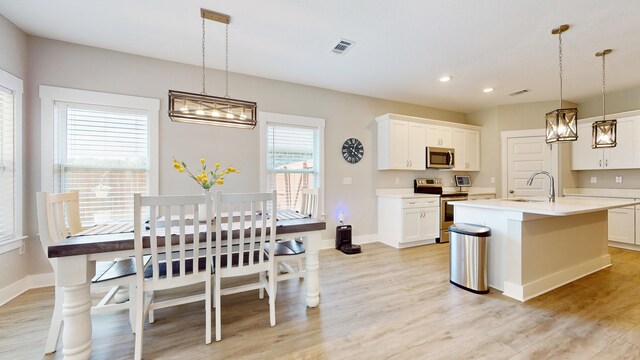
x=342 y=46
x=519 y=92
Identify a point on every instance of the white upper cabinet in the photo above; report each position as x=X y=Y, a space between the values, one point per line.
x=439 y=136
x=401 y=145
x=467 y=146
x=626 y=154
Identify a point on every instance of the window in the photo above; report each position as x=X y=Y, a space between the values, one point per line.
x=292 y=156
x=104 y=145
x=10 y=159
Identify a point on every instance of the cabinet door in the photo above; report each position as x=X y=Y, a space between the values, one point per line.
x=439 y=136
x=621 y=225
x=460 y=159
x=398 y=144
x=411 y=224
x=472 y=150
x=583 y=157
x=430 y=223
x=625 y=154
x=417 y=146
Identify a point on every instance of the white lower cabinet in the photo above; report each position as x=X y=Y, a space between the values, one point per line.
x=622 y=225
x=409 y=221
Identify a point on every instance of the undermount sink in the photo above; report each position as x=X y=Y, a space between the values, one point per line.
x=524 y=200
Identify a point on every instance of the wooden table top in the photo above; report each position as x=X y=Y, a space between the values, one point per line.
x=92 y=244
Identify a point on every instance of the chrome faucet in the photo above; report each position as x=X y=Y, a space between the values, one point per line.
x=552 y=192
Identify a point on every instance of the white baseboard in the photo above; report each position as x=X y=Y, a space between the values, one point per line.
x=540 y=286
x=624 y=246
x=28 y=282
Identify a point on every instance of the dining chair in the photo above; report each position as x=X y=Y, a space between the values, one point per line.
x=243 y=228
x=58 y=218
x=180 y=255
x=292 y=250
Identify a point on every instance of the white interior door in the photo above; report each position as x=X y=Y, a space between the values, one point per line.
x=526 y=155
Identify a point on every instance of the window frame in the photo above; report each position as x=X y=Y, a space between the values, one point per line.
x=267 y=118
x=49 y=95
x=15 y=85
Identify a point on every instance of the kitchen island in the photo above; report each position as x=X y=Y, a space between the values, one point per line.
x=536 y=245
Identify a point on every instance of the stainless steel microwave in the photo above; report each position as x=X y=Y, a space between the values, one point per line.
x=440 y=158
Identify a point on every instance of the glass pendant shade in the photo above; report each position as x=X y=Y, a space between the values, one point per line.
x=562 y=125
x=212 y=110
x=603 y=134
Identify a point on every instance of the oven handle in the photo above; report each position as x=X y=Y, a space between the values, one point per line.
x=450 y=158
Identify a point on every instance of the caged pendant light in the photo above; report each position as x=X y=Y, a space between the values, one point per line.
x=561 y=124
x=212 y=110
x=603 y=132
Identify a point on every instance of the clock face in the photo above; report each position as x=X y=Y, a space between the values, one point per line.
x=352 y=150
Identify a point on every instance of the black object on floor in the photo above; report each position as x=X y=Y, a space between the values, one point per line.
x=343 y=240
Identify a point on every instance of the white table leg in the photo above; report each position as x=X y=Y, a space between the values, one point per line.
x=74 y=274
x=312 y=276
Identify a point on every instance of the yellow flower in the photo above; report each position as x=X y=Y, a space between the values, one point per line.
x=181 y=170
x=205 y=180
x=217 y=164
x=220 y=181
x=176 y=165
x=232 y=169
x=199 y=178
x=202 y=161
x=226 y=171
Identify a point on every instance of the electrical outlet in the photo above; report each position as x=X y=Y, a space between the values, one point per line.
x=347 y=180
x=618 y=179
x=492 y=180
x=594 y=180
x=22 y=247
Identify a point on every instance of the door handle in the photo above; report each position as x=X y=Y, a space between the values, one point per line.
x=450 y=158
x=600 y=163
x=606 y=162
x=410 y=163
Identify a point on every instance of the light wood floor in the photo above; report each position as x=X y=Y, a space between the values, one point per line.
x=382 y=304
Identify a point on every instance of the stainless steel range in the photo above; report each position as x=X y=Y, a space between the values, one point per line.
x=434 y=186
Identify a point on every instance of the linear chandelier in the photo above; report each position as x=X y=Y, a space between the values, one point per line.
x=561 y=124
x=603 y=132
x=212 y=110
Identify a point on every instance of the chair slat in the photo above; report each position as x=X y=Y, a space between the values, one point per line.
x=182 y=246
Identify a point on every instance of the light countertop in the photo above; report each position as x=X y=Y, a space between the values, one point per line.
x=408 y=192
x=561 y=207
x=601 y=192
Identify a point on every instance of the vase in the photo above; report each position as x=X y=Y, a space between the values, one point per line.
x=202 y=213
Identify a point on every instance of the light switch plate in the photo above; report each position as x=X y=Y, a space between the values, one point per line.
x=347 y=180
x=618 y=179
x=492 y=180
x=594 y=179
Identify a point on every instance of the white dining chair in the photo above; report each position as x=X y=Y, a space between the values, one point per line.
x=181 y=255
x=289 y=253
x=243 y=228
x=58 y=218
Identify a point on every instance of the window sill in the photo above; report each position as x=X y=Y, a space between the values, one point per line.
x=12 y=244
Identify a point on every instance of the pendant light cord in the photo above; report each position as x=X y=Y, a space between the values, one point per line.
x=226 y=61
x=203 y=72
x=560 y=58
x=603 y=83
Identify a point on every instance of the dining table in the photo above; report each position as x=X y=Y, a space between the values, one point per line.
x=76 y=257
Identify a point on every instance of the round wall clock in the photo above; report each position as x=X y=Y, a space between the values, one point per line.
x=352 y=150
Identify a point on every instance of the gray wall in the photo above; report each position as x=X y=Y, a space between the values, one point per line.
x=13 y=57
x=617 y=102
x=70 y=65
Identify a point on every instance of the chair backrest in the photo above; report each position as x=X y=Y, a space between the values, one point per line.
x=309 y=204
x=174 y=239
x=58 y=217
x=243 y=226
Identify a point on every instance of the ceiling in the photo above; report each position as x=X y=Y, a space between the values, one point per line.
x=401 y=48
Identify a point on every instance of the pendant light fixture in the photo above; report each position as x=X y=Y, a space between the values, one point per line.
x=212 y=110
x=603 y=132
x=561 y=124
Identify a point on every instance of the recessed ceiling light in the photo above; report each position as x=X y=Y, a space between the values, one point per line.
x=487 y=90
x=445 y=78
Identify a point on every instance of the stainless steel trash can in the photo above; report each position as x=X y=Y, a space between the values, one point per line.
x=468 y=257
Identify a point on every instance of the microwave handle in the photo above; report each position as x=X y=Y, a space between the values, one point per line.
x=450 y=158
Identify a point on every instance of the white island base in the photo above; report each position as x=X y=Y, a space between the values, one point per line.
x=535 y=248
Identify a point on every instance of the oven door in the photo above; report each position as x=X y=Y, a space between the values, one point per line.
x=446 y=215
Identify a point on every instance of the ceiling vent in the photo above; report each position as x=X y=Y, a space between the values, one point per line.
x=519 y=92
x=342 y=46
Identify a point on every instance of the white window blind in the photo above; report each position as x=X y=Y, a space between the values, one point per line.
x=7 y=165
x=292 y=162
x=104 y=153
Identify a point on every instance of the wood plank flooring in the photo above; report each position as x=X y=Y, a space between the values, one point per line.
x=381 y=304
